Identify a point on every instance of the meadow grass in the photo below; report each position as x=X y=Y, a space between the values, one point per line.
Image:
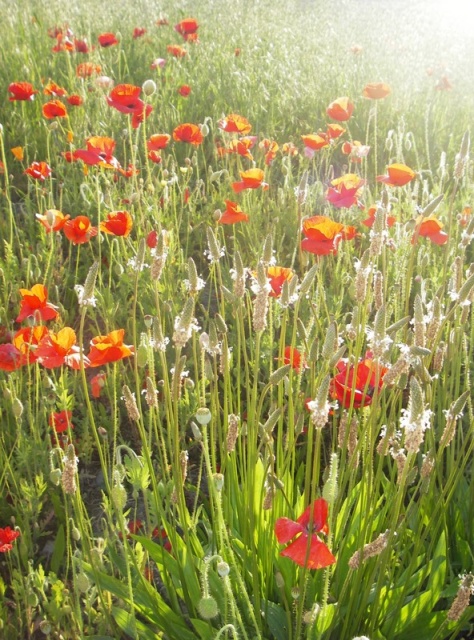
x=145 y=495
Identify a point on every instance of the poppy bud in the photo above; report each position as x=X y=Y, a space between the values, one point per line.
x=204 y=129
x=203 y=416
x=17 y=408
x=149 y=87
x=208 y=608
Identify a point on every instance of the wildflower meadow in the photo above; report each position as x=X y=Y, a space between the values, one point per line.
x=236 y=330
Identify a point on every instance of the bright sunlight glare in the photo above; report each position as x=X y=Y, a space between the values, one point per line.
x=455 y=15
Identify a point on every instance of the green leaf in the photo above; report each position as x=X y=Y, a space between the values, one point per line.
x=276 y=620
x=134 y=628
x=325 y=618
x=59 y=550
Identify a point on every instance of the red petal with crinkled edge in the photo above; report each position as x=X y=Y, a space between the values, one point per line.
x=286 y=529
x=318 y=557
x=319 y=510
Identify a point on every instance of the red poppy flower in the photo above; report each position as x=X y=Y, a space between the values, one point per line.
x=26 y=340
x=97 y=384
x=232 y=214
x=155 y=157
x=75 y=100
x=345 y=190
x=124 y=98
x=39 y=171
x=277 y=276
x=443 y=84
x=184 y=90
x=107 y=39
x=188 y=133
x=354 y=385
x=129 y=172
x=54 y=109
x=430 y=228
x=79 y=230
x=322 y=235
x=61 y=421
x=371 y=219
x=138 y=32
x=7 y=536
x=376 y=90
x=118 y=223
x=465 y=216
x=398 y=175
x=158 y=141
x=10 y=358
x=109 y=348
x=187 y=27
x=233 y=123
x=56 y=349
x=176 y=51
x=86 y=69
x=251 y=179
x=64 y=42
x=335 y=131
x=341 y=109
x=294 y=357
x=99 y=152
x=35 y=303
x=21 y=91
x=80 y=45
x=307 y=550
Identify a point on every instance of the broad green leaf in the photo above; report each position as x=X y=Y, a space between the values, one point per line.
x=277 y=621
x=325 y=618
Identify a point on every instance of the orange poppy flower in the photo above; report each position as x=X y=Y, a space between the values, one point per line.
x=97 y=384
x=251 y=179
x=118 y=223
x=39 y=170
x=75 y=100
x=322 y=235
x=109 y=348
x=18 y=153
x=345 y=191
x=184 y=90
x=241 y=147
x=340 y=109
x=277 y=276
x=79 y=230
x=54 y=109
x=376 y=90
x=35 y=303
x=356 y=150
x=26 y=340
x=53 y=89
x=188 y=133
x=56 y=349
x=10 y=358
x=354 y=385
x=465 y=216
x=335 y=131
x=443 y=84
x=158 y=141
x=233 y=123
x=107 y=39
x=290 y=149
x=398 y=175
x=138 y=32
x=21 y=91
x=53 y=220
x=371 y=219
x=232 y=214
x=162 y=22
x=313 y=142
x=430 y=228
x=176 y=51
x=187 y=27
x=86 y=69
